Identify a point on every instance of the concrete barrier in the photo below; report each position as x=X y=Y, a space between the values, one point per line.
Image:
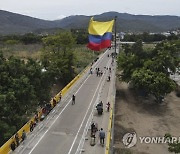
x=111 y=118
x=108 y=140
x=6 y=147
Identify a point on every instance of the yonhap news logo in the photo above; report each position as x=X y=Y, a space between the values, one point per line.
x=131 y=139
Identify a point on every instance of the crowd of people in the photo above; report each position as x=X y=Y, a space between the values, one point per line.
x=94 y=130
x=45 y=110
x=17 y=139
x=39 y=116
x=94 y=127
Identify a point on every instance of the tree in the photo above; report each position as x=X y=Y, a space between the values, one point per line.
x=60 y=42
x=81 y=35
x=58 y=56
x=173 y=146
x=127 y=49
x=149 y=70
x=155 y=83
x=23 y=86
x=31 y=38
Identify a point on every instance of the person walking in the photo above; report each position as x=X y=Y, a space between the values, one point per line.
x=92 y=128
x=109 y=69
x=31 y=126
x=23 y=137
x=102 y=136
x=73 y=99
x=13 y=145
x=91 y=71
x=17 y=139
x=60 y=96
x=108 y=106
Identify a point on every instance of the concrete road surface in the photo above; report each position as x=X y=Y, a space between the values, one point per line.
x=62 y=131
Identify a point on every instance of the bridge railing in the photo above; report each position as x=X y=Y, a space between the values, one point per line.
x=110 y=133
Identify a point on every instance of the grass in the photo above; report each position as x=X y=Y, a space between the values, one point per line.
x=22 y=51
x=148 y=46
x=83 y=57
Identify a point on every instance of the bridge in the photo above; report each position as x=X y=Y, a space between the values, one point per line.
x=66 y=129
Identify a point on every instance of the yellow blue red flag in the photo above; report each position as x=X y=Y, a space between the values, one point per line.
x=100 y=34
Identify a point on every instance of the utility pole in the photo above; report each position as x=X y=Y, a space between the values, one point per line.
x=115 y=18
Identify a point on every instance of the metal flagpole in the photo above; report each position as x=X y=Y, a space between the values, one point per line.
x=115 y=18
x=113 y=111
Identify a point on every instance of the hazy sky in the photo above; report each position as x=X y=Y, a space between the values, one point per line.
x=55 y=9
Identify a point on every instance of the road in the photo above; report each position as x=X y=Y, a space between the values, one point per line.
x=62 y=131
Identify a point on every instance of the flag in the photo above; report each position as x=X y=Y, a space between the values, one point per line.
x=100 y=34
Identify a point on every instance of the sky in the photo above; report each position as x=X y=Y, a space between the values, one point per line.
x=57 y=9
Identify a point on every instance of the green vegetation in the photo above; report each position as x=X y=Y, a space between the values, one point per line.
x=81 y=35
x=29 y=38
x=146 y=37
x=148 y=70
x=58 y=56
x=23 y=85
x=173 y=147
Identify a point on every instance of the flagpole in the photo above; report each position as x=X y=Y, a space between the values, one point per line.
x=115 y=18
x=113 y=116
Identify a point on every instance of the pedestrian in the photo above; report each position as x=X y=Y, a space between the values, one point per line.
x=23 y=137
x=31 y=126
x=101 y=103
x=48 y=108
x=108 y=106
x=109 y=69
x=13 y=145
x=17 y=139
x=44 y=110
x=36 y=118
x=54 y=102
x=92 y=128
x=73 y=99
x=60 y=95
x=112 y=61
x=97 y=73
x=96 y=126
x=101 y=136
x=91 y=70
x=108 y=78
x=93 y=138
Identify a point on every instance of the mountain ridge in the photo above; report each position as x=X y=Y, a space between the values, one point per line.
x=14 y=23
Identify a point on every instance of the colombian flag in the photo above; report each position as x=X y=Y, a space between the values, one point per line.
x=100 y=34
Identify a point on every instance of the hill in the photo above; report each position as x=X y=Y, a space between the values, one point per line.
x=126 y=22
x=12 y=23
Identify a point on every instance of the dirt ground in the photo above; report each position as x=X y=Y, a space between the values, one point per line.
x=146 y=118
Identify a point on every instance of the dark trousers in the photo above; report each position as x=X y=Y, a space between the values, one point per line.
x=102 y=140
